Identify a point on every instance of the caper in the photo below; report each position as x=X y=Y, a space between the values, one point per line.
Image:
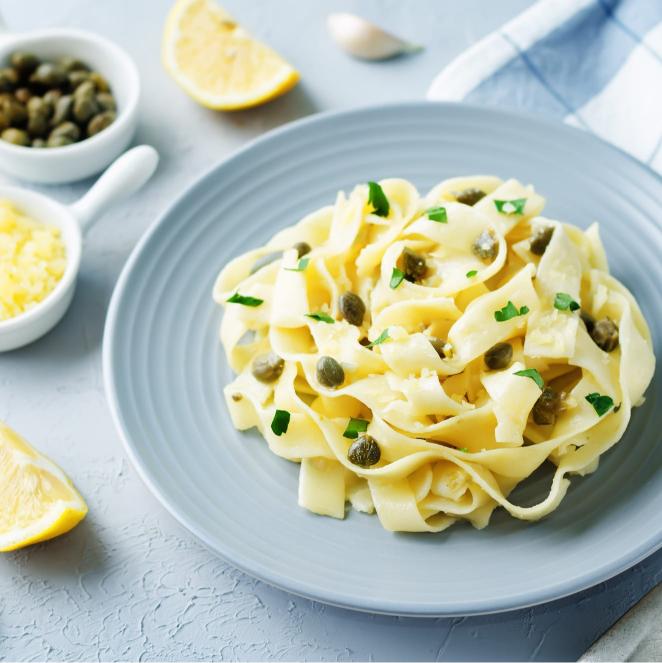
x=605 y=334
x=470 y=196
x=106 y=101
x=485 y=246
x=438 y=345
x=85 y=89
x=588 y=320
x=37 y=125
x=23 y=95
x=99 y=122
x=62 y=110
x=267 y=367
x=540 y=240
x=70 y=64
x=352 y=308
x=77 y=77
x=25 y=63
x=329 y=372
x=302 y=248
x=49 y=74
x=84 y=108
x=16 y=113
x=4 y=121
x=413 y=265
x=8 y=79
x=51 y=97
x=546 y=407
x=38 y=142
x=364 y=451
x=15 y=136
x=100 y=82
x=499 y=356
x=37 y=106
x=59 y=141
x=66 y=129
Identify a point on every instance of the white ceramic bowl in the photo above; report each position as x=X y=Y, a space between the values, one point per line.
x=74 y=162
x=122 y=179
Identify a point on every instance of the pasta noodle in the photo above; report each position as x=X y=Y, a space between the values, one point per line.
x=422 y=356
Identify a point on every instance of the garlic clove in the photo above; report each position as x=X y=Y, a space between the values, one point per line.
x=365 y=40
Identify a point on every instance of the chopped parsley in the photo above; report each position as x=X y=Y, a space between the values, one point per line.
x=464 y=450
x=243 y=299
x=471 y=273
x=564 y=302
x=280 y=422
x=354 y=427
x=301 y=265
x=510 y=207
x=601 y=404
x=437 y=214
x=377 y=198
x=397 y=277
x=533 y=374
x=320 y=316
x=509 y=311
x=380 y=339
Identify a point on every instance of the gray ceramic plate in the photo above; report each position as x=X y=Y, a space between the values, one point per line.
x=165 y=369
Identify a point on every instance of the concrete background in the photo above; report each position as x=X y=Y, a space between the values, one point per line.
x=129 y=583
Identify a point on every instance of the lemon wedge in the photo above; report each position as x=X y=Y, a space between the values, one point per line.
x=217 y=62
x=37 y=501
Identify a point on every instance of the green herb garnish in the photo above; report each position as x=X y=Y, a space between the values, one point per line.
x=601 y=404
x=437 y=214
x=533 y=374
x=471 y=273
x=280 y=422
x=515 y=206
x=397 y=277
x=377 y=198
x=354 y=427
x=242 y=299
x=320 y=316
x=509 y=311
x=464 y=450
x=380 y=339
x=301 y=265
x=564 y=302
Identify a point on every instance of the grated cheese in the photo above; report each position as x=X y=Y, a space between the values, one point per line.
x=32 y=261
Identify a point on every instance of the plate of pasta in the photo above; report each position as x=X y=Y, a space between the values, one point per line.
x=409 y=370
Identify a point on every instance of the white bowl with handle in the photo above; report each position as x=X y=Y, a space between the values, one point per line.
x=91 y=155
x=125 y=176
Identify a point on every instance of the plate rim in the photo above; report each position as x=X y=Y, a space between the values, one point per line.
x=306 y=590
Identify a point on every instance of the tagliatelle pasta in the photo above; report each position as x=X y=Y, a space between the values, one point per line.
x=420 y=357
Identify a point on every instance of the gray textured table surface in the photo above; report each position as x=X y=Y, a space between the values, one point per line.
x=130 y=583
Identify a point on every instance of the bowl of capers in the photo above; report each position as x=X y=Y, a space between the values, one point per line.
x=68 y=104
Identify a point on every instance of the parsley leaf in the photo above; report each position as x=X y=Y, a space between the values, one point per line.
x=320 y=316
x=564 y=302
x=510 y=207
x=377 y=198
x=601 y=404
x=242 y=299
x=380 y=339
x=533 y=374
x=280 y=422
x=437 y=214
x=471 y=273
x=302 y=264
x=397 y=276
x=354 y=427
x=464 y=450
x=509 y=311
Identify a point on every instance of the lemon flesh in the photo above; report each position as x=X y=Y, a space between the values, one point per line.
x=37 y=500
x=217 y=62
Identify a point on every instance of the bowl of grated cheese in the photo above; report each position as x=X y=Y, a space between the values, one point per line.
x=41 y=242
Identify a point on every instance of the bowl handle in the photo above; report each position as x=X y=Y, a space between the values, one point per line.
x=122 y=178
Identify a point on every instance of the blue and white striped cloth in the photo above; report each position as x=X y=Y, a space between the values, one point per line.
x=595 y=64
